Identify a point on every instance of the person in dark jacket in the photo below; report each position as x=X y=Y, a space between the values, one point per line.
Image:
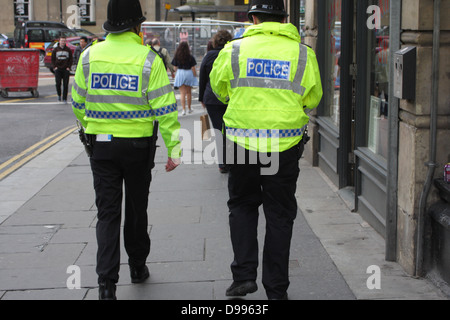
x=62 y=60
x=215 y=108
x=79 y=49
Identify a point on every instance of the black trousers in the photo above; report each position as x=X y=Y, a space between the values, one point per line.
x=113 y=164
x=62 y=75
x=216 y=113
x=248 y=189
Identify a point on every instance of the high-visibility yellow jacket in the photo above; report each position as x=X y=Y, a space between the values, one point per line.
x=120 y=87
x=268 y=77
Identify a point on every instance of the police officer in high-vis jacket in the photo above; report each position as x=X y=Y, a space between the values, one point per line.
x=270 y=81
x=121 y=87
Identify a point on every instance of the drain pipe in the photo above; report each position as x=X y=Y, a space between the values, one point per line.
x=431 y=164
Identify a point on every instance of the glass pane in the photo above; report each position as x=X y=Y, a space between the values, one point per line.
x=85 y=10
x=332 y=72
x=35 y=35
x=52 y=34
x=378 y=53
x=21 y=10
x=302 y=23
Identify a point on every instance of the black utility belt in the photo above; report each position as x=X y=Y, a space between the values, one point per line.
x=110 y=138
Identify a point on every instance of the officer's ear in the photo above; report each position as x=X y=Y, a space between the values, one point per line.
x=255 y=19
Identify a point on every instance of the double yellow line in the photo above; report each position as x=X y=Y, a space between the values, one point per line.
x=19 y=160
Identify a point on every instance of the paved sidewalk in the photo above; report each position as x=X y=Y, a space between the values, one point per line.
x=48 y=217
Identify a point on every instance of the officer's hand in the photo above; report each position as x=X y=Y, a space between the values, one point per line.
x=172 y=164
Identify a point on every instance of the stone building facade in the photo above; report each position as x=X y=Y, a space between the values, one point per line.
x=379 y=158
x=94 y=11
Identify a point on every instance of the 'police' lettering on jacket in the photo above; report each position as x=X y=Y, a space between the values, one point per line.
x=263 y=68
x=113 y=81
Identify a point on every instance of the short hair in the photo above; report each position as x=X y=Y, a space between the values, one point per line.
x=267 y=17
x=155 y=41
x=209 y=46
x=221 y=38
x=84 y=38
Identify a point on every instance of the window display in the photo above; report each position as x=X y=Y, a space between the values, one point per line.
x=333 y=67
x=378 y=70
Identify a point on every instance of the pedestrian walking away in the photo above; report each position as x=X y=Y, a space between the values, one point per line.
x=206 y=96
x=270 y=78
x=62 y=60
x=186 y=74
x=120 y=88
x=156 y=44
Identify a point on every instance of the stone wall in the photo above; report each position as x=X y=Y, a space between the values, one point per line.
x=414 y=127
x=312 y=148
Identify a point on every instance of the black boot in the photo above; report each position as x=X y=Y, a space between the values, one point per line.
x=107 y=290
x=139 y=274
x=241 y=288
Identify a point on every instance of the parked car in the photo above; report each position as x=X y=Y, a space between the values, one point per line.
x=39 y=34
x=83 y=32
x=71 y=43
x=5 y=41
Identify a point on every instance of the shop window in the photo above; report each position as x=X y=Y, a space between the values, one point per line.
x=22 y=10
x=378 y=70
x=332 y=63
x=87 y=12
x=302 y=23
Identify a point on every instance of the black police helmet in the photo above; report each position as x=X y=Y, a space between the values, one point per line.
x=275 y=7
x=123 y=15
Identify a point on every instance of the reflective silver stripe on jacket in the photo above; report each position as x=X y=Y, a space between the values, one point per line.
x=235 y=59
x=115 y=99
x=159 y=92
x=79 y=90
x=295 y=86
x=86 y=66
x=146 y=72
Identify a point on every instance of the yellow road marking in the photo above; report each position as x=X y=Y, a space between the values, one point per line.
x=26 y=99
x=20 y=155
x=15 y=100
x=57 y=137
